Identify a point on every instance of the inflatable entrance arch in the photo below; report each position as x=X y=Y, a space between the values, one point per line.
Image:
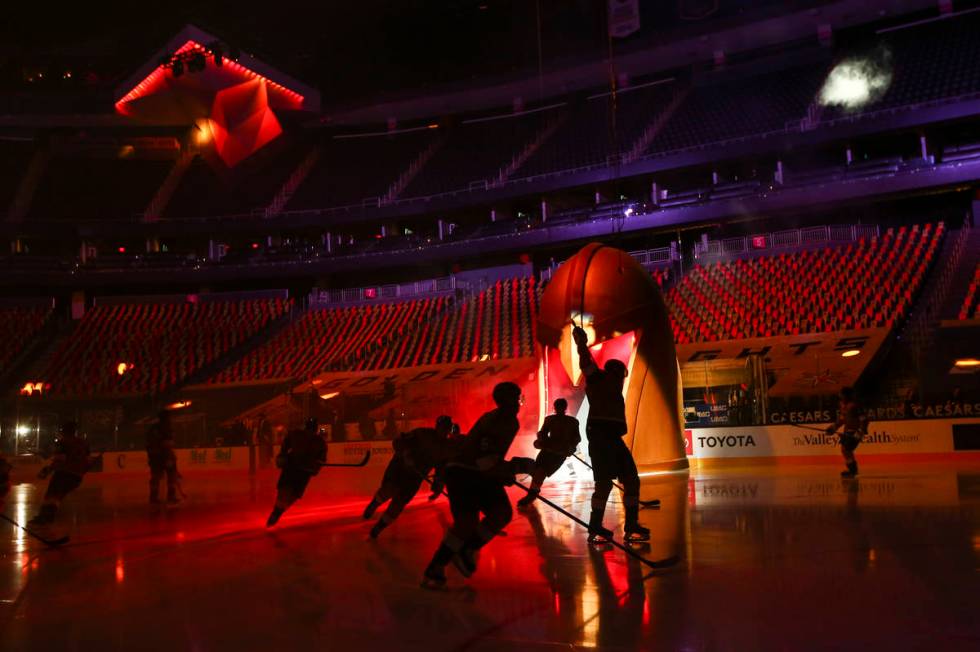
x=621 y=307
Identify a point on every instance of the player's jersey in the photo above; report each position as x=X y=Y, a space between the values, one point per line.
x=304 y=450
x=560 y=433
x=71 y=455
x=423 y=447
x=606 y=402
x=159 y=444
x=852 y=418
x=488 y=441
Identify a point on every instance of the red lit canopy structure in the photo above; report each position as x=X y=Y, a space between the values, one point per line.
x=237 y=101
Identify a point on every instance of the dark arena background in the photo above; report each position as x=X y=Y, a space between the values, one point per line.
x=248 y=250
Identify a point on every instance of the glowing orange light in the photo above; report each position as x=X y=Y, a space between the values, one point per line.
x=850 y=353
x=179 y=405
x=120 y=570
x=432 y=126
x=202 y=134
x=329 y=395
x=123 y=367
x=34 y=388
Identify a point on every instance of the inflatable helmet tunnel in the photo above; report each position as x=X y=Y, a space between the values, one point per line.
x=617 y=302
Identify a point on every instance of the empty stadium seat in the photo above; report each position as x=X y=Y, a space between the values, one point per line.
x=497 y=323
x=164 y=342
x=870 y=284
x=324 y=338
x=17 y=327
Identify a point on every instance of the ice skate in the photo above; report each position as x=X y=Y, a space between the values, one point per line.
x=599 y=535
x=635 y=533
x=273 y=517
x=465 y=561
x=376 y=529
x=434 y=578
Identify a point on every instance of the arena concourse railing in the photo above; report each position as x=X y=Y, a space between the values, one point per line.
x=787 y=239
x=381 y=293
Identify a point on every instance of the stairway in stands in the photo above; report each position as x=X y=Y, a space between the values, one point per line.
x=237 y=353
x=294 y=181
x=960 y=280
x=21 y=204
x=32 y=366
x=917 y=336
x=529 y=149
x=161 y=198
x=361 y=358
x=650 y=132
x=406 y=177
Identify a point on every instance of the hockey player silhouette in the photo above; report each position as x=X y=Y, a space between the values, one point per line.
x=557 y=440
x=302 y=455
x=604 y=428
x=161 y=458
x=69 y=464
x=416 y=454
x=475 y=479
x=851 y=417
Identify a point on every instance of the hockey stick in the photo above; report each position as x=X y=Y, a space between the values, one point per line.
x=643 y=503
x=367 y=456
x=660 y=563
x=60 y=541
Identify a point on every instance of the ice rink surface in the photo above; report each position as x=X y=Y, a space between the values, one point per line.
x=772 y=558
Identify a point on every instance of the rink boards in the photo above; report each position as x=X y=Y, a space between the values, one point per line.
x=925 y=438
x=922 y=439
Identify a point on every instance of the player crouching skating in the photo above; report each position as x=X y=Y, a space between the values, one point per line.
x=303 y=454
x=416 y=453
x=68 y=466
x=557 y=440
x=475 y=481
x=605 y=427
x=855 y=424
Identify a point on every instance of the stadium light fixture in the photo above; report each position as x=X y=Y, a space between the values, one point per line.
x=857 y=81
x=850 y=353
x=155 y=81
